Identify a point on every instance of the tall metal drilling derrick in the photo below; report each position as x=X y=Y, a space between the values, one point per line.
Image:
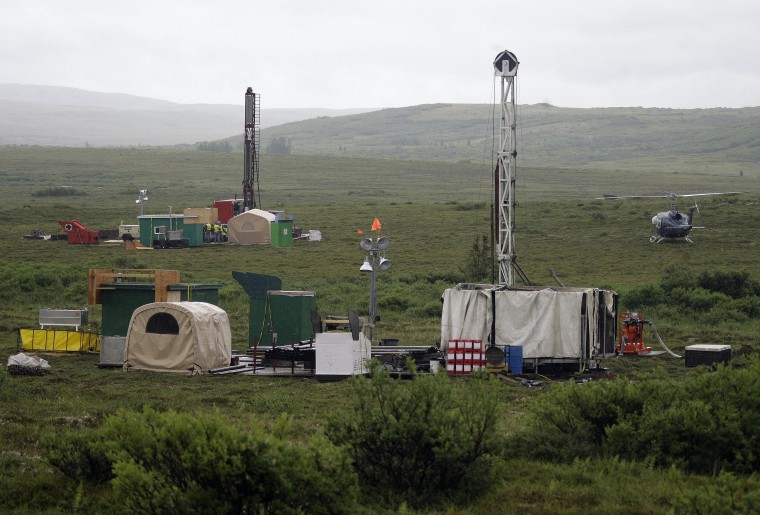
x=252 y=140
x=505 y=66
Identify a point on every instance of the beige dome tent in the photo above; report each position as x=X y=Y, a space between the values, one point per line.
x=179 y=337
x=250 y=228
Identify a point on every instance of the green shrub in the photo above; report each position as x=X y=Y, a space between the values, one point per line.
x=676 y=276
x=697 y=299
x=735 y=284
x=418 y=441
x=394 y=302
x=186 y=463
x=59 y=191
x=750 y=306
x=705 y=423
x=434 y=308
x=80 y=455
x=649 y=295
x=444 y=277
x=725 y=494
x=724 y=313
x=572 y=420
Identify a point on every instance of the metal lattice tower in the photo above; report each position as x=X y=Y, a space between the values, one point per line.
x=252 y=140
x=505 y=66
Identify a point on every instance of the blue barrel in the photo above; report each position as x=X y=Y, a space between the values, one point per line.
x=515 y=359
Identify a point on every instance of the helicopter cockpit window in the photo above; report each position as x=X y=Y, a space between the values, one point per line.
x=162 y=323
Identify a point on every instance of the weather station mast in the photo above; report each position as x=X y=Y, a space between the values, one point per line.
x=252 y=141
x=505 y=66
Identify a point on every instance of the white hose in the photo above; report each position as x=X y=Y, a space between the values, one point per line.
x=657 y=334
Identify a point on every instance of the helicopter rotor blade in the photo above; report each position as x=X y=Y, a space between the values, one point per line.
x=671 y=196
x=623 y=197
x=707 y=194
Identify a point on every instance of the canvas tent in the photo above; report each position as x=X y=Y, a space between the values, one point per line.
x=573 y=325
x=179 y=337
x=251 y=227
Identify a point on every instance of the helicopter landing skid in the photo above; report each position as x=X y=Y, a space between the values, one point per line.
x=658 y=239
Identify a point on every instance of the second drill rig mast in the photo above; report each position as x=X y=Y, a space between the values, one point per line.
x=505 y=66
x=252 y=140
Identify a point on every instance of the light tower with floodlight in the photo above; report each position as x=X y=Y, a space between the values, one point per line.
x=142 y=198
x=374 y=260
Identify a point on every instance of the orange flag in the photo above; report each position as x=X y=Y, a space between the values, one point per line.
x=359 y=231
x=376 y=225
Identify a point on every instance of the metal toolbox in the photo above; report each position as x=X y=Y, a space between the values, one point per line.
x=63 y=317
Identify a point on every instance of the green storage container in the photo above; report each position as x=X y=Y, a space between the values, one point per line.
x=197 y=292
x=193 y=233
x=119 y=301
x=285 y=313
x=152 y=225
x=281 y=233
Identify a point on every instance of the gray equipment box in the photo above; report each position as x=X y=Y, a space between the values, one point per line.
x=63 y=317
x=112 y=351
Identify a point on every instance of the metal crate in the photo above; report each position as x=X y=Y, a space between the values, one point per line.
x=63 y=317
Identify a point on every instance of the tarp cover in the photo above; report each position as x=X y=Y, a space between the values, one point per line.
x=59 y=340
x=546 y=322
x=250 y=228
x=180 y=337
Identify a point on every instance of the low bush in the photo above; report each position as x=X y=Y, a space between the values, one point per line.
x=191 y=463
x=735 y=284
x=82 y=456
x=421 y=441
x=59 y=191
x=707 y=423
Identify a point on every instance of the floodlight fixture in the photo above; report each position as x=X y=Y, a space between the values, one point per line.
x=383 y=242
x=385 y=264
x=365 y=244
x=366 y=267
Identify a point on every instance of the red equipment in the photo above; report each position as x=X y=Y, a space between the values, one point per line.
x=226 y=209
x=77 y=234
x=631 y=329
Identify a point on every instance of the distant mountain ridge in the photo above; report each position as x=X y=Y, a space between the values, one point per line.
x=63 y=116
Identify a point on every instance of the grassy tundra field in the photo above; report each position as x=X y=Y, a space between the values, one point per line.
x=434 y=212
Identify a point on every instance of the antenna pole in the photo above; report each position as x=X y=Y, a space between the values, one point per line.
x=505 y=66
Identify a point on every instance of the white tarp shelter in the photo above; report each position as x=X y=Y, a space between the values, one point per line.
x=179 y=337
x=252 y=227
x=551 y=324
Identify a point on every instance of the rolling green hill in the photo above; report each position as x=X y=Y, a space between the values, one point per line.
x=547 y=136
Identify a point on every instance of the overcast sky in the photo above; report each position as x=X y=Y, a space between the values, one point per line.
x=390 y=53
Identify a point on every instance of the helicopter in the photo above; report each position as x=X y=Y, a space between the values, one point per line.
x=671 y=224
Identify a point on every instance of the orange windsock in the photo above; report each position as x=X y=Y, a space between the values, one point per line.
x=376 y=225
